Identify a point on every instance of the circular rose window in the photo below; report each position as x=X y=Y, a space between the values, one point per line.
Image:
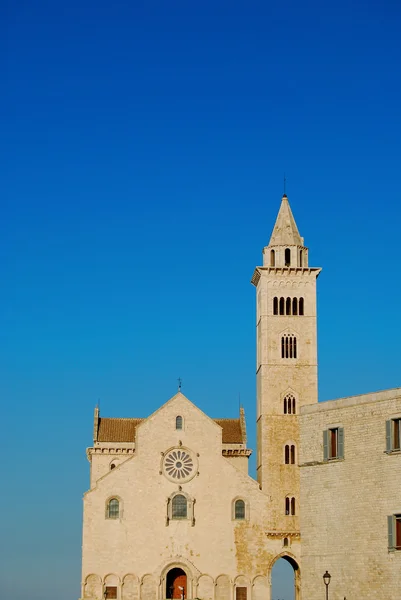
x=179 y=465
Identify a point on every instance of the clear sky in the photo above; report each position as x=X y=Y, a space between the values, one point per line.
x=143 y=150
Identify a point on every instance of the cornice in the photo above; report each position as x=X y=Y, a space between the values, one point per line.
x=298 y=271
x=114 y=451
x=236 y=452
x=294 y=535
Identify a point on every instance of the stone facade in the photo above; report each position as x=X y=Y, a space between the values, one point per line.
x=172 y=512
x=346 y=500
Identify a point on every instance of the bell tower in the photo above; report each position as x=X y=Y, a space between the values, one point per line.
x=286 y=363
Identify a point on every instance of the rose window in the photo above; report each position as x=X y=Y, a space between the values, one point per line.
x=179 y=465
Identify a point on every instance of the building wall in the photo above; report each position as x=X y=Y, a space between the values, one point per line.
x=216 y=551
x=345 y=502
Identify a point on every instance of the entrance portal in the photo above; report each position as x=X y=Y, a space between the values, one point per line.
x=176 y=584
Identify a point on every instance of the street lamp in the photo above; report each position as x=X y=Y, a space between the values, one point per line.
x=326 y=579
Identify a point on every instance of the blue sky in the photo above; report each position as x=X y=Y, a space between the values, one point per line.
x=143 y=151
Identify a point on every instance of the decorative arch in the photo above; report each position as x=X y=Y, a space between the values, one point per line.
x=179 y=564
x=111 y=586
x=148 y=588
x=180 y=506
x=114 y=463
x=205 y=587
x=92 y=586
x=260 y=587
x=130 y=587
x=223 y=588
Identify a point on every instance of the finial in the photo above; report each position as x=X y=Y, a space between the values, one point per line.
x=179 y=384
x=285 y=181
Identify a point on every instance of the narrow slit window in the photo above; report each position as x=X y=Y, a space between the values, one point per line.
x=281 y=306
x=287 y=506
x=287 y=455
x=272 y=258
x=275 y=306
x=301 y=307
x=288 y=306
x=293 y=506
x=292 y=455
x=178 y=422
x=295 y=306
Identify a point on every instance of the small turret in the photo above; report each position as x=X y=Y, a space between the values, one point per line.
x=286 y=247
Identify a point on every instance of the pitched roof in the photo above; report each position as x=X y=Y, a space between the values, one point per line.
x=123 y=430
x=285 y=231
x=117 y=430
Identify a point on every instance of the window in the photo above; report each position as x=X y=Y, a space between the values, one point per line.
x=290 y=505
x=333 y=443
x=272 y=258
x=289 y=405
x=285 y=542
x=287 y=257
x=288 y=306
x=179 y=507
x=301 y=307
x=289 y=454
x=239 y=510
x=394 y=532
x=301 y=258
x=393 y=435
x=275 y=306
x=281 y=306
x=178 y=422
x=295 y=306
x=113 y=509
x=240 y=593
x=110 y=592
x=112 y=466
x=288 y=346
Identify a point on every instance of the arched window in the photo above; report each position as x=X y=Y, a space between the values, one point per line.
x=289 y=405
x=178 y=422
x=275 y=306
x=239 y=510
x=295 y=306
x=287 y=455
x=288 y=346
x=292 y=456
x=281 y=306
x=272 y=258
x=112 y=466
x=290 y=505
x=113 y=509
x=179 y=507
x=288 y=306
x=287 y=257
x=301 y=258
x=285 y=542
x=301 y=306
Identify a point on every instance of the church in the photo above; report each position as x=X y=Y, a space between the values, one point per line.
x=171 y=512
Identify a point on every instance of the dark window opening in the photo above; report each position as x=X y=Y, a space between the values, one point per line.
x=275 y=306
x=179 y=507
x=301 y=307
x=272 y=258
x=288 y=306
x=295 y=306
x=287 y=257
x=281 y=306
x=239 y=509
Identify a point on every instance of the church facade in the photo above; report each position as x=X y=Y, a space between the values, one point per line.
x=172 y=512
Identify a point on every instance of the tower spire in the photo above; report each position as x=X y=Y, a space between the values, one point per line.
x=285 y=231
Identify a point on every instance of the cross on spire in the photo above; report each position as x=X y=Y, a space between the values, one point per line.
x=179 y=384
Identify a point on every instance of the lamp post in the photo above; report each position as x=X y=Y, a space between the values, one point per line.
x=326 y=579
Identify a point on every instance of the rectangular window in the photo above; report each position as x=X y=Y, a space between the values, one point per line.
x=393 y=435
x=394 y=532
x=111 y=592
x=240 y=593
x=333 y=443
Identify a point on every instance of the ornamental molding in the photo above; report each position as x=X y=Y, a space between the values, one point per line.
x=294 y=535
x=236 y=452
x=114 y=451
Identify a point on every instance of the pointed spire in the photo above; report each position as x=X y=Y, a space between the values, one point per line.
x=285 y=231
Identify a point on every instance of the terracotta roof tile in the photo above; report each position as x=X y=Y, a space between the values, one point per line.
x=232 y=433
x=123 y=430
x=117 y=430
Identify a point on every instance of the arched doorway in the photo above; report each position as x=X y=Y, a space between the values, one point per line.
x=285 y=578
x=176 y=584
